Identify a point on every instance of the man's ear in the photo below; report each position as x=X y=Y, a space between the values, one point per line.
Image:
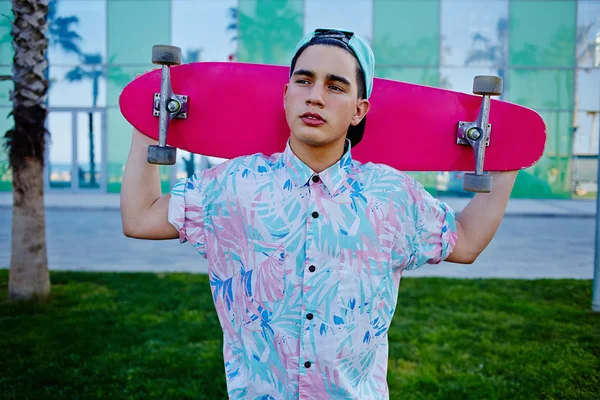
x=285 y=89
x=362 y=108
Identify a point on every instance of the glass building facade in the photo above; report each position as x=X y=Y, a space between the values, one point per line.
x=547 y=51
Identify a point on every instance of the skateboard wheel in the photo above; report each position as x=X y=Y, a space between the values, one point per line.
x=487 y=85
x=166 y=55
x=162 y=155
x=477 y=183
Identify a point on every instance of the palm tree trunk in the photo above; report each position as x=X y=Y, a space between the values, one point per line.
x=28 y=275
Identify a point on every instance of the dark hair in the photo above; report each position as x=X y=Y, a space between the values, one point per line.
x=355 y=133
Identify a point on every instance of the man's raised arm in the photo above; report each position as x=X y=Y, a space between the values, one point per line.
x=144 y=210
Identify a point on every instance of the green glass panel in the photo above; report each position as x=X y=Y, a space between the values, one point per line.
x=542 y=33
x=6 y=51
x=541 y=89
x=269 y=30
x=550 y=177
x=406 y=32
x=119 y=77
x=134 y=27
x=5 y=174
x=420 y=76
x=119 y=142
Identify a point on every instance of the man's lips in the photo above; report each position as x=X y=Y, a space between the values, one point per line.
x=312 y=119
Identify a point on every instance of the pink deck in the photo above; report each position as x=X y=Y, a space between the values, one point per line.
x=237 y=109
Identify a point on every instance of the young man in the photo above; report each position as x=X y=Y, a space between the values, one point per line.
x=306 y=247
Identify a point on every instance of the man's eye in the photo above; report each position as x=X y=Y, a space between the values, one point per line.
x=301 y=81
x=336 y=88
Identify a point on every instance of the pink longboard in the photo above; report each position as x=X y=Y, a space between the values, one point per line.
x=236 y=109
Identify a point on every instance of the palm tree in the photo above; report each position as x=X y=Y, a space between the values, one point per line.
x=268 y=34
x=90 y=69
x=495 y=52
x=28 y=276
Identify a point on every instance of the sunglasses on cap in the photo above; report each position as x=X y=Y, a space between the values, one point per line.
x=343 y=36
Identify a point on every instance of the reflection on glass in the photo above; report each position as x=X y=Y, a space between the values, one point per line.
x=550 y=177
x=474 y=33
x=542 y=33
x=118 y=142
x=134 y=26
x=5 y=174
x=337 y=15
x=6 y=52
x=461 y=79
x=5 y=87
x=586 y=133
x=89 y=149
x=542 y=89
x=406 y=32
x=189 y=164
x=419 y=76
x=588 y=89
x=119 y=77
x=83 y=85
x=203 y=29
x=60 y=146
x=75 y=29
x=588 y=33
x=269 y=30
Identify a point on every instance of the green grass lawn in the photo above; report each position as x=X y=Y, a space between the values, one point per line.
x=157 y=336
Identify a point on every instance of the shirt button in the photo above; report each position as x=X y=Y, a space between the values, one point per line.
x=309 y=316
x=315 y=214
x=311 y=268
x=307 y=364
x=315 y=178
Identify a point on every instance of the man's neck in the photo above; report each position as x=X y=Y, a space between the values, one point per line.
x=318 y=158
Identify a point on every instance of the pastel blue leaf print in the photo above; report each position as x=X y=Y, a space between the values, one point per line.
x=288 y=185
x=367 y=337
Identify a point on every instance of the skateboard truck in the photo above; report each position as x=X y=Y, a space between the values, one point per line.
x=167 y=105
x=477 y=134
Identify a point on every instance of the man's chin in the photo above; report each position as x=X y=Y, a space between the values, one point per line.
x=315 y=139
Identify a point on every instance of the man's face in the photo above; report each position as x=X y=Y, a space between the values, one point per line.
x=321 y=99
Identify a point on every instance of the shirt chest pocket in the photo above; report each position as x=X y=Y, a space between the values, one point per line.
x=364 y=278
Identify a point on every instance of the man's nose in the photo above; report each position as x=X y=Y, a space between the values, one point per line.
x=315 y=96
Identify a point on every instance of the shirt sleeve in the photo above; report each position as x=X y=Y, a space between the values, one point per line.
x=186 y=211
x=429 y=232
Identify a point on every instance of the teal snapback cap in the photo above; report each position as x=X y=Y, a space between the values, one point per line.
x=359 y=47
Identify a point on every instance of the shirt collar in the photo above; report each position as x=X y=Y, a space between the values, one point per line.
x=332 y=177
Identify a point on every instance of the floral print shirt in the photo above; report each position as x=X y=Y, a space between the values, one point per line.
x=304 y=268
